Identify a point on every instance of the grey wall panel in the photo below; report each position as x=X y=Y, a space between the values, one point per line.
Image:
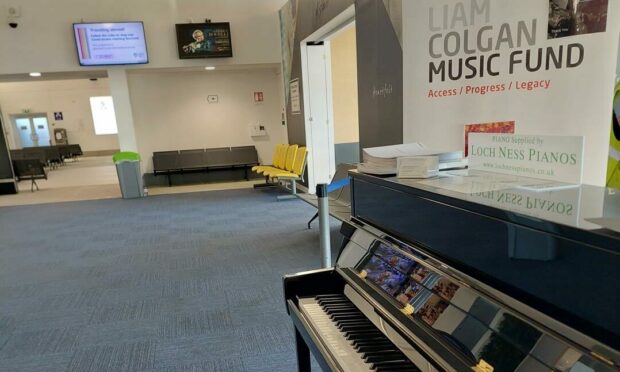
x=347 y=153
x=379 y=66
x=380 y=76
x=6 y=170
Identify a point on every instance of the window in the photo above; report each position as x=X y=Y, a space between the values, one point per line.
x=103 y=115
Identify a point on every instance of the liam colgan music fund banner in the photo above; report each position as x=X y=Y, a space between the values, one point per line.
x=546 y=65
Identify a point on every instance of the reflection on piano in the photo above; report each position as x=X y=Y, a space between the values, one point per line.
x=394 y=304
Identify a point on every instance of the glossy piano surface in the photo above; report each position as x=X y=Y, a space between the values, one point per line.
x=535 y=247
x=474 y=326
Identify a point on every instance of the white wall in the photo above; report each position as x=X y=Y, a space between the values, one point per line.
x=171 y=111
x=578 y=102
x=344 y=86
x=43 y=41
x=71 y=97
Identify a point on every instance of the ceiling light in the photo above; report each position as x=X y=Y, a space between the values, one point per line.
x=210 y=68
x=35 y=74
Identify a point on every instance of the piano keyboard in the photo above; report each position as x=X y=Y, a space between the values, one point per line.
x=354 y=341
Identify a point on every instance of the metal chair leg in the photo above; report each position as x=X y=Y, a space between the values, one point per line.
x=33 y=184
x=316 y=215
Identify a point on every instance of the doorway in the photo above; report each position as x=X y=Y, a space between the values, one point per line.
x=33 y=130
x=330 y=97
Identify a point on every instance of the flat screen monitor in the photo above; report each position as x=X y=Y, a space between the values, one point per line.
x=204 y=40
x=104 y=44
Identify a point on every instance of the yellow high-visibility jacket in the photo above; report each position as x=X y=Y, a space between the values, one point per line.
x=613 y=163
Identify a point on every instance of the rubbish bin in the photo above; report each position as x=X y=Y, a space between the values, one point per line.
x=129 y=174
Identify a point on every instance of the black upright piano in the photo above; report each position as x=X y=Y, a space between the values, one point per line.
x=454 y=276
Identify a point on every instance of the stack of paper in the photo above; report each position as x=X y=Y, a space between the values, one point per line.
x=383 y=160
x=417 y=166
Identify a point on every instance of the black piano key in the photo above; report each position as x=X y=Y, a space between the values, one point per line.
x=335 y=302
x=369 y=349
x=339 y=306
x=346 y=323
x=354 y=321
x=357 y=324
x=336 y=317
x=399 y=368
x=336 y=305
x=329 y=296
x=342 y=300
x=384 y=357
x=357 y=335
x=351 y=326
x=340 y=311
x=369 y=332
x=371 y=340
x=375 y=342
x=356 y=327
x=351 y=315
x=390 y=363
x=327 y=303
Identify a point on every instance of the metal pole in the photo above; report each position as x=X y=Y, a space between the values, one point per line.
x=326 y=252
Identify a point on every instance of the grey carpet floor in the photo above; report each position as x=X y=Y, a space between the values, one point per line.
x=186 y=282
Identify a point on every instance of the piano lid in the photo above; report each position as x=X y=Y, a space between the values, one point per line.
x=575 y=206
x=512 y=242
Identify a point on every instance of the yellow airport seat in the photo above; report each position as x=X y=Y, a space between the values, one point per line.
x=278 y=162
x=288 y=164
x=273 y=160
x=296 y=173
x=293 y=176
x=282 y=157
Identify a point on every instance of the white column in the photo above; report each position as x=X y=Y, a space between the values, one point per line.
x=122 y=107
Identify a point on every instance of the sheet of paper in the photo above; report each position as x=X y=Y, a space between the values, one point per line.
x=609 y=223
x=394 y=151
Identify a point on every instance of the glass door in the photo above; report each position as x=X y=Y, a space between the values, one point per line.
x=33 y=130
x=25 y=131
x=41 y=130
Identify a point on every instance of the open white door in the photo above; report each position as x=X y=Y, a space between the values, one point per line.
x=316 y=77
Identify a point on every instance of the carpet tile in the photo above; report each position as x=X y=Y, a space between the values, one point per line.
x=169 y=283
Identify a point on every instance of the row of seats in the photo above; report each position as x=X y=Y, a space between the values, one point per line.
x=48 y=155
x=289 y=164
x=29 y=169
x=30 y=163
x=178 y=161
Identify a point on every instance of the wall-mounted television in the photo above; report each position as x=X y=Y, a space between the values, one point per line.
x=204 y=40
x=105 y=44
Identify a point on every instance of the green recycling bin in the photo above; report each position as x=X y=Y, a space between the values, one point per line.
x=129 y=174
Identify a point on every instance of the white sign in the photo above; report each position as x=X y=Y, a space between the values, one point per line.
x=295 y=97
x=485 y=61
x=104 y=117
x=556 y=158
x=417 y=166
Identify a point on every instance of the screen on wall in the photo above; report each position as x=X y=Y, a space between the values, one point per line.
x=104 y=44
x=204 y=40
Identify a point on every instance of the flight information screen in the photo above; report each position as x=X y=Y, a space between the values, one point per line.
x=102 y=44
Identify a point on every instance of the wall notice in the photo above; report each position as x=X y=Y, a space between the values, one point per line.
x=555 y=158
x=295 y=96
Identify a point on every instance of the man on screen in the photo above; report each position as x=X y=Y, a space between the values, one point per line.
x=199 y=44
